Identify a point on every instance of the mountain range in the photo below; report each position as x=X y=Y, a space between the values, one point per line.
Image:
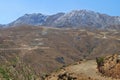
x=73 y=19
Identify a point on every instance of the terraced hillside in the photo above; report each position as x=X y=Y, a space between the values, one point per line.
x=28 y=52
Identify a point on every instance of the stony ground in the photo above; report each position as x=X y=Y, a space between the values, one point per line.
x=86 y=70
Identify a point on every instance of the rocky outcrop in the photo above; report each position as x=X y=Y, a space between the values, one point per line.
x=109 y=65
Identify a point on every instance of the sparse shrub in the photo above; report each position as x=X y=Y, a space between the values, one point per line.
x=100 y=61
x=44 y=75
x=4 y=74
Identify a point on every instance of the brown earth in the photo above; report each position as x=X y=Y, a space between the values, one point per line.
x=86 y=70
x=44 y=50
x=110 y=66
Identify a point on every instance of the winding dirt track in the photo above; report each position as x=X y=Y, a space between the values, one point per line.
x=89 y=69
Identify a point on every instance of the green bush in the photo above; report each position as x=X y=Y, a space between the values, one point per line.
x=100 y=61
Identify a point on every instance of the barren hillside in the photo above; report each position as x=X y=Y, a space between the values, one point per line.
x=83 y=70
x=40 y=50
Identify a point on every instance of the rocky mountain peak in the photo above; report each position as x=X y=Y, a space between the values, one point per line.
x=30 y=19
x=74 y=19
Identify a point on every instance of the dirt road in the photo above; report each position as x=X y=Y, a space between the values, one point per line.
x=89 y=69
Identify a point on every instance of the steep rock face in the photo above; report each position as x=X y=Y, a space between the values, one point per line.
x=50 y=19
x=110 y=66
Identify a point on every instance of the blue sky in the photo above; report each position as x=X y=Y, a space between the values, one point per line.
x=12 y=9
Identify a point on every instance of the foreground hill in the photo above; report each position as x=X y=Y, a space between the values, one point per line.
x=34 y=50
x=74 y=19
x=82 y=70
x=109 y=65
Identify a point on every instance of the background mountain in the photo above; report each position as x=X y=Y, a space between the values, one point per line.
x=86 y=19
x=51 y=19
x=1 y=26
x=30 y=19
x=74 y=19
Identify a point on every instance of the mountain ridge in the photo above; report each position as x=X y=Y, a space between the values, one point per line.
x=74 y=19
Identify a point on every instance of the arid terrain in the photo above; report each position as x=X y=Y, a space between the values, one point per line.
x=85 y=70
x=29 y=52
x=103 y=68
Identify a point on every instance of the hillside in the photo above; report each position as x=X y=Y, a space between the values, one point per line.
x=38 y=48
x=82 y=70
x=109 y=65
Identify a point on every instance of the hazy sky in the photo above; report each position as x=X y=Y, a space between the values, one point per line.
x=12 y=9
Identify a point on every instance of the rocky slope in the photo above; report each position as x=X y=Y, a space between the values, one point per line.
x=85 y=18
x=74 y=19
x=110 y=65
x=82 y=70
x=29 y=19
x=52 y=18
